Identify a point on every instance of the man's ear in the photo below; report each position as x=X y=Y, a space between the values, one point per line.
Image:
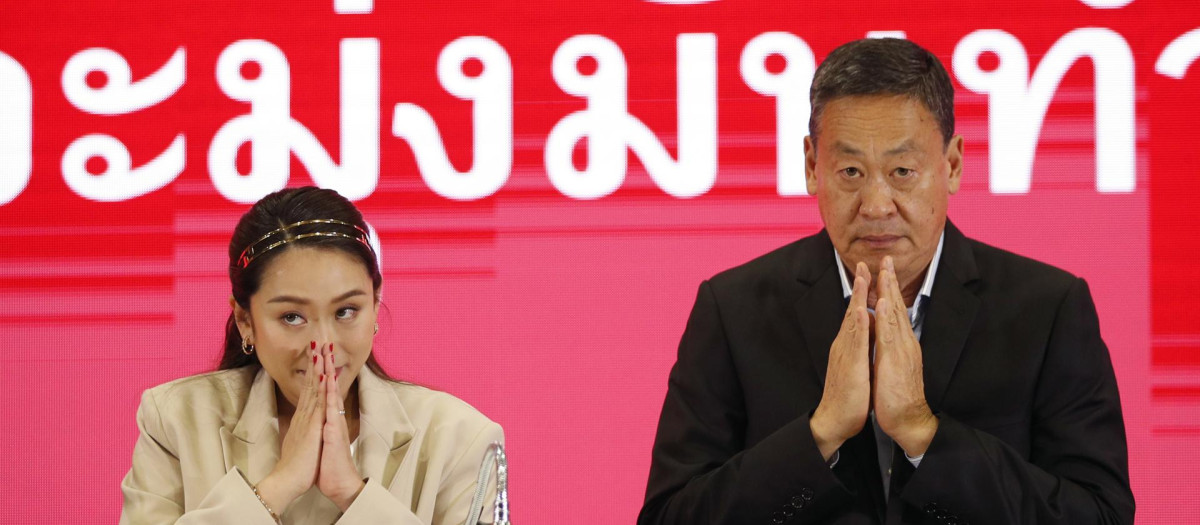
x=954 y=156
x=241 y=317
x=810 y=165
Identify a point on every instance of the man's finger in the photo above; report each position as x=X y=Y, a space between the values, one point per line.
x=861 y=286
x=881 y=317
x=898 y=305
x=858 y=297
x=861 y=327
x=892 y=284
x=881 y=284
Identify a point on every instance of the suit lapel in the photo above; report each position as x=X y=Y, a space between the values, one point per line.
x=253 y=444
x=952 y=308
x=385 y=432
x=820 y=307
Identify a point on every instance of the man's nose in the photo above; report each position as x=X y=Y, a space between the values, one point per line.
x=877 y=201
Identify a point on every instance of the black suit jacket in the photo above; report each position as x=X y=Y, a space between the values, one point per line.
x=1030 y=427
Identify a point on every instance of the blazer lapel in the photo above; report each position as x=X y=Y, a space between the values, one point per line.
x=385 y=431
x=253 y=444
x=952 y=308
x=821 y=307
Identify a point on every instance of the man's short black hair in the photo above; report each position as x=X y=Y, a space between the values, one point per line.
x=884 y=66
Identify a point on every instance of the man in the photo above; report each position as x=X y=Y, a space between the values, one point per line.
x=888 y=369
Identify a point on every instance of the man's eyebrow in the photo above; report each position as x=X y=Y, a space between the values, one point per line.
x=846 y=149
x=300 y=300
x=904 y=147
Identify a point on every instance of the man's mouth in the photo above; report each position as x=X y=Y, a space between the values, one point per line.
x=880 y=241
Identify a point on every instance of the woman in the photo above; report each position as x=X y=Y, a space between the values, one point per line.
x=300 y=424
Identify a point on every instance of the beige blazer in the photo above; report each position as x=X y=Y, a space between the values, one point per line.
x=206 y=439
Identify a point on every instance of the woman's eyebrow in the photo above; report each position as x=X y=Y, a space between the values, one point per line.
x=287 y=299
x=352 y=293
x=300 y=300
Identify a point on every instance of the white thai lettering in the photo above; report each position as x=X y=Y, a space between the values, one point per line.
x=16 y=132
x=491 y=94
x=273 y=134
x=1017 y=104
x=790 y=89
x=1179 y=55
x=610 y=129
x=117 y=95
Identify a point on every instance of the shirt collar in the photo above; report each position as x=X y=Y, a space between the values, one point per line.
x=926 y=287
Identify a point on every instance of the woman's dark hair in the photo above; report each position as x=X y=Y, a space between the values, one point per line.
x=270 y=214
x=883 y=66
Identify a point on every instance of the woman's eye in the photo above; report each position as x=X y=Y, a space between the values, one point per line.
x=292 y=319
x=347 y=313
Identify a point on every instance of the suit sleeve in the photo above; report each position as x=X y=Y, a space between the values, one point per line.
x=376 y=505
x=1077 y=469
x=702 y=471
x=153 y=488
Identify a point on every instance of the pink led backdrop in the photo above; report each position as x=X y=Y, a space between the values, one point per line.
x=544 y=278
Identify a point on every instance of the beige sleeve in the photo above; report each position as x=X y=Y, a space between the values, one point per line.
x=454 y=498
x=153 y=488
x=376 y=505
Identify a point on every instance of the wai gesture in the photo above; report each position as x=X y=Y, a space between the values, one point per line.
x=893 y=385
x=316 y=447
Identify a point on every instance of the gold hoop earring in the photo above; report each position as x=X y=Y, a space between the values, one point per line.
x=377 y=328
x=247 y=348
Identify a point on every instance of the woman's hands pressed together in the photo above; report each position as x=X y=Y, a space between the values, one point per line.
x=316 y=447
x=337 y=477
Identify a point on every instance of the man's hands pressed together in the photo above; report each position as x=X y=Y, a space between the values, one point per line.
x=893 y=385
x=846 y=400
x=900 y=406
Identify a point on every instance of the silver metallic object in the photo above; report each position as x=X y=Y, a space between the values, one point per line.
x=493 y=459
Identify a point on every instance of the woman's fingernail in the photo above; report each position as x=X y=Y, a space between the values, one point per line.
x=314 y=359
x=312 y=345
x=322 y=378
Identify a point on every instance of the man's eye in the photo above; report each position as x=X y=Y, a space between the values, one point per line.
x=852 y=172
x=905 y=172
x=292 y=318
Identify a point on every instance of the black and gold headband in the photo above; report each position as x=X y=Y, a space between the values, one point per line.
x=253 y=250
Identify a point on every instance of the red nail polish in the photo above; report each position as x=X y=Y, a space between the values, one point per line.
x=314 y=359
x=330 y=348
x=322 y=378
x=312 y=345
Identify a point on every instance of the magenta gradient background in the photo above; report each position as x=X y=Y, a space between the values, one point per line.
x=556 y=317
